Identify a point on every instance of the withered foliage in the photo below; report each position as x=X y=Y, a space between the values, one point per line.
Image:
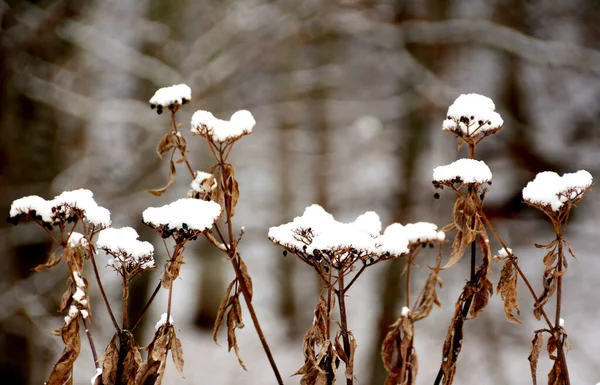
x=62 y=373
x=170 y=142
x=121 y=364
x=398 y=354
x=468 y=223
x=428 y=296
x=165 y=340
x=348 y=359
x=49 y=264
x=227 y=186
x=534 y=354
x=172 y=171
x=230 y=309
x=551 y=272
x=507 y=288
x=173 y=266
x=321 y=359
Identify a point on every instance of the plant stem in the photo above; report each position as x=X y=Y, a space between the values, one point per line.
x=344 y=324
x=408 y=280
x=156 y=290
x=102 y=292
x=557 y=333
x=88 y=332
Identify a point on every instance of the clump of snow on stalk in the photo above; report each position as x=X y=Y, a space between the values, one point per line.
x=77 y=239
x=502 y=252
x=468 y=171
x=163 y=320
x=472 y=115
x=202 y=186
x=127 y=250
x=216 y=130
x=79 y=297
x=405 y=311
x=561 y=322
x=186 y=215
x=98 y=374
x=169 y=97
x=416 y=233
x=65 y=207
x=317 y=233
x=550 y=189
x=73 y=311
x=79 y=282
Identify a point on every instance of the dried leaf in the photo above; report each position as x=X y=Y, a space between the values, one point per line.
x=177 y=352
x=132 y=360
x=173 y=267
x=234 y=321
x=52 y=261
x=551 y=346
x=61 y=373
x=172 y=171
x=534 y=355
x=221 y=313
x=109 y=363
x=397 y=351
x=246 y=276
x=428 y=296
x=166 y=144
x=231 y=187
x=507 y=288
x=65 y=299
x=458 y=250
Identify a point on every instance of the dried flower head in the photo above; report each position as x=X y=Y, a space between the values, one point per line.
x=130 y=256
x=222 y=131
x=66 y=207
x=472 y=116
x=202 y=186
x=184 y=219
x=462 y=172
x=553 y=193
x=171 y=97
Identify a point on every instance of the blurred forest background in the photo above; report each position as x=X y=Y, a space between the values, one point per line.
x=349 y=97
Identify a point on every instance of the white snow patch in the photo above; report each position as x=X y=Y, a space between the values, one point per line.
x=473 y=114
x=73 y=311
x=98 y=374
x=77 y=239
x=405 y=311
x=163 y=320
x=173 y=95
x=32 y=205
x=467 y=170
x=207 y=125
x=194 y=213
x=550 y=189
x=502 y=252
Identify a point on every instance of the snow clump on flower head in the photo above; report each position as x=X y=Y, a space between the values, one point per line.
x=185 y=218
x=127 y=250
x=171 y=97
x=472 y=115
x=468 y=171
x=550 y=190
x=205 y=124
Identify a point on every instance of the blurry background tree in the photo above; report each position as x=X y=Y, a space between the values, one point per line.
x=349 y=98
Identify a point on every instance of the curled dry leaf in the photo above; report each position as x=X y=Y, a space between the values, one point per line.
x=173 y=266
x=534 y=354
x=61 y=373
x=177 y=351
x=221 y=312
x=227 y=189
x=428 y=296
x=129 y=352
x=398 y=354
x=507 y=288
x=234 y=321
x=150 y=371
x=245 y=276
x=166 y=144
x=483 y=287
x=52 y=261
x=110 y=360
x=172 y=171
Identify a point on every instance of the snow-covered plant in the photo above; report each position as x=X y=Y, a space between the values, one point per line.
x=339 y=253
x=471 y=118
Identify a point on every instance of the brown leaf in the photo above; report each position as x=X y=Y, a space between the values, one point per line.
x=551 y=347
x=234 y=321
x=173 y=267
x=454 y=337
x=166 y=144
x=74 y=258
x=177 y=352
x=172 y=171
x=159 y=345
x=534 y=355
x=458 y=250
x=246 y=276
x=65 y=299
x=110 y=361
x=148 y=373
x=52 y=261
x=555 y=376
x=132 y=360
x=397 y=351
x=428 y=297
x=484 y=288
x=221 y=313
x=61 y=373
x=231 y=187
x=507 y=288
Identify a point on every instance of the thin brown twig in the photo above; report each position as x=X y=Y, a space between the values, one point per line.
x=147 y=306
x=101 y=287
x=344 y=325
x=88 y=332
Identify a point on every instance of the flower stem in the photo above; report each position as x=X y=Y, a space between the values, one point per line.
x=88 y=332
x=557 y=333
x=344 y=325
x=102 y=292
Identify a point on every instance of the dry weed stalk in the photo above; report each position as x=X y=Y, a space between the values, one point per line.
x=340 y=253
x=472 y=118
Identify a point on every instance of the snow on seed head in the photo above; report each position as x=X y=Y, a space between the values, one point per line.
x=549 y=189
x=472 y=115
x=469 y=171
x=127 y=250
x=33 y=206
x=170 y=97
x=208 y=126
x=186 y=215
